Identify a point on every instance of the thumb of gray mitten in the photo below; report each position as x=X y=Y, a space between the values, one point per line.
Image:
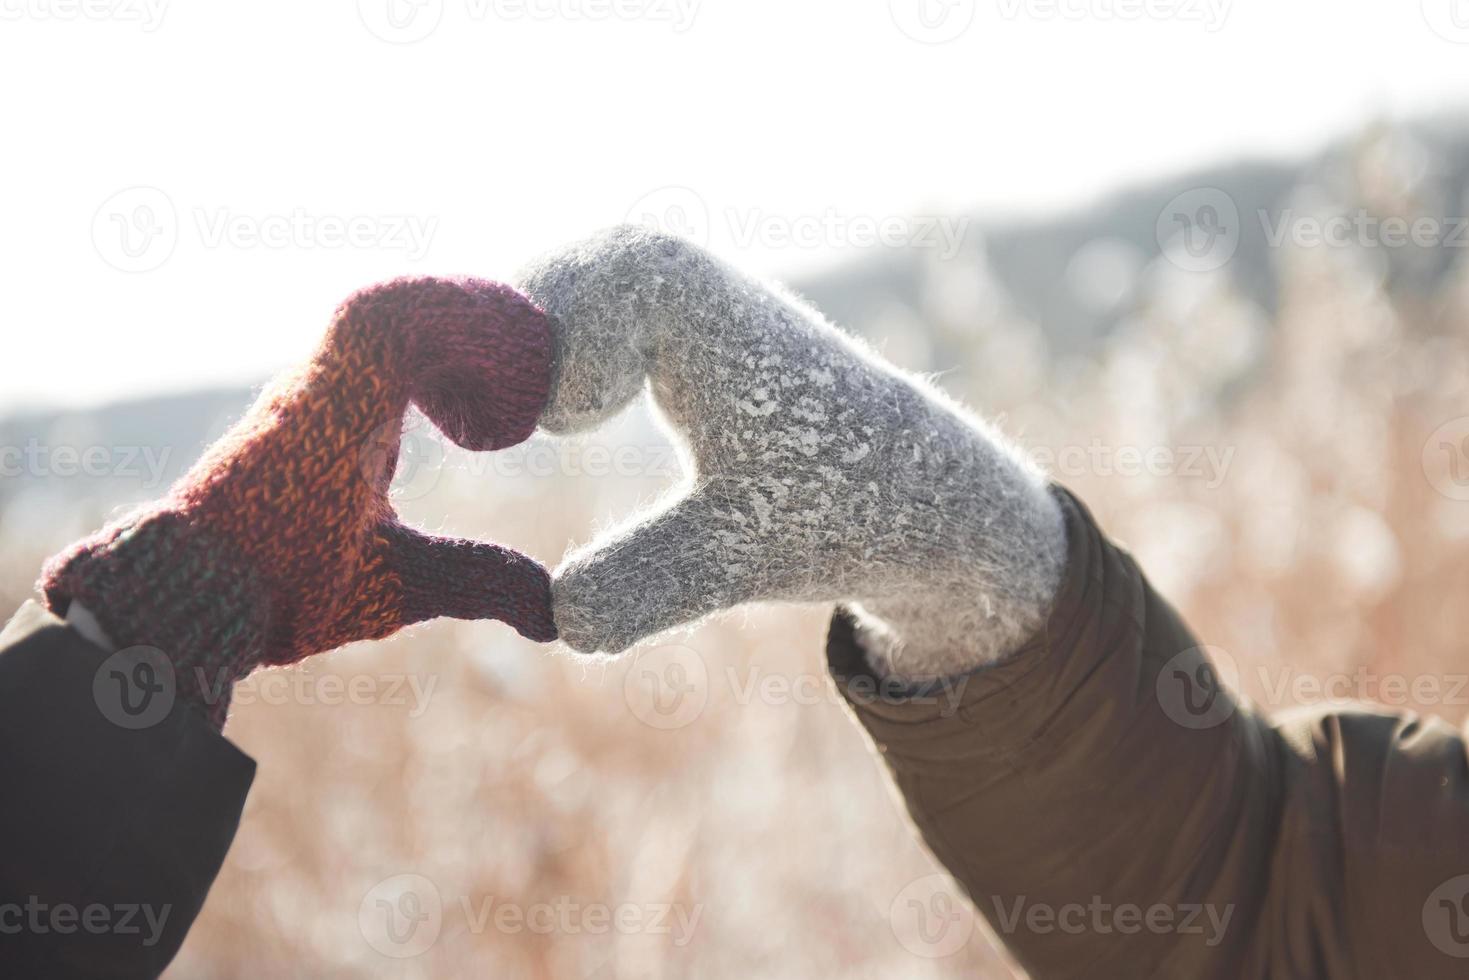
x=818 y=471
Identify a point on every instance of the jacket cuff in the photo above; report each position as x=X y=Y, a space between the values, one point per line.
x=121 y=798
x=991 y=710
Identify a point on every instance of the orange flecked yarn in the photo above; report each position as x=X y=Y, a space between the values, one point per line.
x=282 y=542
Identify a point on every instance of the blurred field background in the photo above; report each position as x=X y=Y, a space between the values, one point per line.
x=1311 y=521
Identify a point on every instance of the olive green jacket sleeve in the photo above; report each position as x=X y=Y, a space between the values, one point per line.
x=1113 y=811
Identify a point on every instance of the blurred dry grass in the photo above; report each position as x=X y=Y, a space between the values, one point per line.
x=1330 y=544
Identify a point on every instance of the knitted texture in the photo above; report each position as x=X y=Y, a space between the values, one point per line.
x=282 y=541
x=817 y=470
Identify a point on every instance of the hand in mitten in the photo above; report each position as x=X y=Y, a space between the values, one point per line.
x=818 y=471
x=282 y=541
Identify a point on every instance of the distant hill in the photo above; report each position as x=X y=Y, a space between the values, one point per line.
x=130 y=450
x=1425 y=164
x=1036 y=268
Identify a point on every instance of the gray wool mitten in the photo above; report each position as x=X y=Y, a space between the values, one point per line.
x=818 y=471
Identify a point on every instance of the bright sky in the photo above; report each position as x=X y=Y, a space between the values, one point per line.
x=191 y=186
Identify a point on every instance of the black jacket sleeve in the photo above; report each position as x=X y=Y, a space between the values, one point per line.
x=117 y=806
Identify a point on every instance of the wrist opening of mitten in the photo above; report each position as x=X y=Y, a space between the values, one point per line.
x=154 y=582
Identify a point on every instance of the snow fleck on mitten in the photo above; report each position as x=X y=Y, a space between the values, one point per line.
x=819 y=471
x=282 y=541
